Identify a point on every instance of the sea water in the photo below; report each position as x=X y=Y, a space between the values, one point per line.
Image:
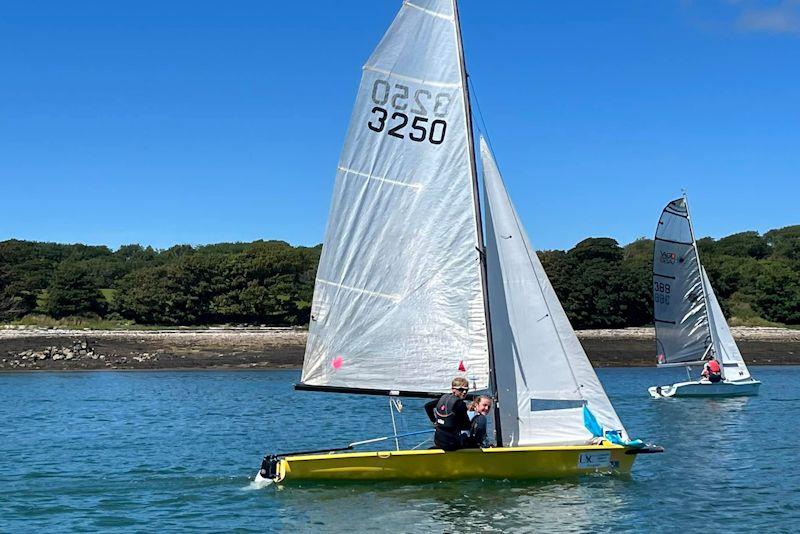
x=177 y=451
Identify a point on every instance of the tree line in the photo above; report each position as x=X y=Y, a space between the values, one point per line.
x=600 y=283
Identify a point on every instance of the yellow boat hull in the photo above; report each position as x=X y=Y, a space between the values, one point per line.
x=435 y=464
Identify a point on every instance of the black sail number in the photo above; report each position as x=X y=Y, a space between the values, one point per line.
x=380 y=115
x=437 y=138
x=395 y=131
x=418 y=125
x=393 y=101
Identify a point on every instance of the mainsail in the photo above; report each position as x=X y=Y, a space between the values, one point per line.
x=544 y=378
x=683 y=333
x=398 y=301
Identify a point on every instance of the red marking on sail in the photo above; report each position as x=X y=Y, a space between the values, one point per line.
x=461 y=367
x=337 y=362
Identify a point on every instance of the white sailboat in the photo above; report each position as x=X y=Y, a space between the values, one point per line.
x=407 y=296
x=690 y=325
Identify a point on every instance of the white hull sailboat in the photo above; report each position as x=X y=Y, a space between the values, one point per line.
x=407 y=296
x=690 y=325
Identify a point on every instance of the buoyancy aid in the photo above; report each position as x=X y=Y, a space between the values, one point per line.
x=713 y=367
x=445 y=413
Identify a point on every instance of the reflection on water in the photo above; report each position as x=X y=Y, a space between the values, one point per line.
x=490 y=506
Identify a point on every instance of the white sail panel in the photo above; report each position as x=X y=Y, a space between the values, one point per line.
x=544 y=378
x=679 y=307
x=727 y=352
x=398 y=303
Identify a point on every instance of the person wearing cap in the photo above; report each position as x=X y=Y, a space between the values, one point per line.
x=449 y=415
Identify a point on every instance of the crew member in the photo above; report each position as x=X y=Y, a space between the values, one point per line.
x=476 y=437
x=449 y=414
x=712 y=371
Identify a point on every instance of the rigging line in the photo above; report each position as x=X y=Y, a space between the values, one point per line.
x=485 y=129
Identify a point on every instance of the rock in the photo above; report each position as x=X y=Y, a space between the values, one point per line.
x=58 y=356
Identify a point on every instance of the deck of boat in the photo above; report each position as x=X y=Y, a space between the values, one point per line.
x=436 y=464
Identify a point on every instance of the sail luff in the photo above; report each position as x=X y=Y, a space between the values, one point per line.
x=711 y=329
x=478 y=220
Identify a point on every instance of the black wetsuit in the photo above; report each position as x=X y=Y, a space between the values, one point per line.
x=449 y=414
x=477 y=432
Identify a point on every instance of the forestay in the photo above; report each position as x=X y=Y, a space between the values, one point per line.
x=679 y=307
x=727 y=352
x=398 y=303
x=544 y=378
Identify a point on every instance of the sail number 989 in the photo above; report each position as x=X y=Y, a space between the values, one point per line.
x=661 y=292
x=408 y=118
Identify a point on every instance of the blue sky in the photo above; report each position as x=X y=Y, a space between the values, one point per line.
x=199 y=122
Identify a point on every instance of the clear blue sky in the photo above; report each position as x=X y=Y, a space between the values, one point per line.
x=199 y=122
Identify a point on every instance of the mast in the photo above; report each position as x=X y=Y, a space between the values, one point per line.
x=479 y=222
x=702 y=278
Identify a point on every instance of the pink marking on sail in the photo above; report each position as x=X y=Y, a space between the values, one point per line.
x=337 y=362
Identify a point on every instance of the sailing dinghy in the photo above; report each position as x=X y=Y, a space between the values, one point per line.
x=690 y=326
x=407 y=296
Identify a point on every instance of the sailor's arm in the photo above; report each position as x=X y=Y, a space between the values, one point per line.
x=429 y=408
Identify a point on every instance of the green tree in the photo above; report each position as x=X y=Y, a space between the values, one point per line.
x=785 y=242
x=73 y=292
x=778 y=292
x=748 y=244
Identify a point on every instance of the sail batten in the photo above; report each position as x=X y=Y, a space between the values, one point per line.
x=398 y=302
x=680 y=310
x=689 y=321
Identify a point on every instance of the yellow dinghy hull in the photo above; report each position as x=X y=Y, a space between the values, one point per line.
x=436 y=464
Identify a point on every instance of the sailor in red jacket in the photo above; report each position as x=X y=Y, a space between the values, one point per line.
x=712 y=371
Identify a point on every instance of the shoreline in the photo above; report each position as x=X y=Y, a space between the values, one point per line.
x=248 y=348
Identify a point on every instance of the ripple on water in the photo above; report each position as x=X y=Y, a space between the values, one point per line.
x=178 y=451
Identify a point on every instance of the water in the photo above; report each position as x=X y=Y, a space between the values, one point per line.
x=173 y=451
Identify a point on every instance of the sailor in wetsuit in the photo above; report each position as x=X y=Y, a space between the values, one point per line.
x=476 y=437
x=449 y=414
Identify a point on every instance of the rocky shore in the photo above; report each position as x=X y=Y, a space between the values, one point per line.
x=27 y=348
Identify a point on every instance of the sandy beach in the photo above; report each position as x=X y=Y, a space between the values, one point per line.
x=31 y=348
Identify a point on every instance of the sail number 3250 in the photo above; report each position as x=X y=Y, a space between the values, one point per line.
x=409 y=114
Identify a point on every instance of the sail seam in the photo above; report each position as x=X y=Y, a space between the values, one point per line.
x=671 y=241
x=415 y=186
x=664 y=276
x=443 y=85
x=429 y=11
x=394 y=298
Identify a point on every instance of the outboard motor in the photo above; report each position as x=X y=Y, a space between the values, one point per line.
x=269 y=467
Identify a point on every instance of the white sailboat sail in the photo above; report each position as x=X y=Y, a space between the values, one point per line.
x=727 y=352
x=398 y=302
x=680 y=312
x=544 y=378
